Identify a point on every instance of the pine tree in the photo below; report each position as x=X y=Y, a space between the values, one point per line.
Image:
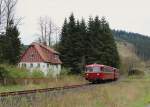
x=12 y=45
x=63 y=45
x=73 y=57
x=94 y=41
x=102 y=48
x=2 y=48
x=110 y=54
x=88 y=41
x=81 y=44
x=68 y=45
x=71 y=44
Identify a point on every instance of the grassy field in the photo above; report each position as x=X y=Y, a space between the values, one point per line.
x=131 y=92
x=53 y=82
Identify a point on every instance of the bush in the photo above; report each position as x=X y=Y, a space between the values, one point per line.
x=8 y=71
x=37 y=74
x=3 y=73
x=65 y=71
x=18 y=72
x=135 y=71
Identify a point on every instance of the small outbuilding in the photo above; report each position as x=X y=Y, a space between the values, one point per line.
x=41 y=57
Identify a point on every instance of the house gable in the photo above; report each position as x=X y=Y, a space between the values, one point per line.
x=40 y=53
x=31 y=55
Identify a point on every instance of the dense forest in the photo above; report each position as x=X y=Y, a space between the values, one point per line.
x=141 y=42
x=84 y=43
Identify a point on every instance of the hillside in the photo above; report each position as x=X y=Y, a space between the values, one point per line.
x=129 y=59
x=139 y=41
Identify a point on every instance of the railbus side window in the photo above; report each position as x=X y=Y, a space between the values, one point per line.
x=96 y=69
x=107 y=69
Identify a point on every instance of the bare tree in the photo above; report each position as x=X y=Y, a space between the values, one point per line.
x=51 y=27
x=2 y=14
x=46 y=29
x=41 y=24
x=7 y=14
x=56 y=35
x=10 y=12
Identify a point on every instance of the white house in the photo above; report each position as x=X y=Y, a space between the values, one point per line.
x=40 y=57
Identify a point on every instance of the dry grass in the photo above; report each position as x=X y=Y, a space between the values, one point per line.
x=124 y=94
x=131 y=92
x=53 y=82
x=128 y=57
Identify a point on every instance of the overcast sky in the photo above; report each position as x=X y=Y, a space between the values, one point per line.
x=130 y=15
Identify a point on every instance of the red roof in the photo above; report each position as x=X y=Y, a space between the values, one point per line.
x=99 y=65
x=47 y=54
x=91 y=65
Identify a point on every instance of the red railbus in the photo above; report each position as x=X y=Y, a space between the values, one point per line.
x=99 y=72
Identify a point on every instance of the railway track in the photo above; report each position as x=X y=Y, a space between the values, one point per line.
x=34 y=91
x=26 y=92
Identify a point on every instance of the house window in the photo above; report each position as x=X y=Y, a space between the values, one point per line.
x=38 y=65
x=20 y=65
x=31 y=65
x=24 y=65
x=56 y=66
x=47 y=65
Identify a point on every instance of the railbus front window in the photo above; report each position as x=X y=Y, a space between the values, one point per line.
x=89 y=69
x=93 y=69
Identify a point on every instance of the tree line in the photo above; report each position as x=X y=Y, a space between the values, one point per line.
x=141 y=42
x=84 y=43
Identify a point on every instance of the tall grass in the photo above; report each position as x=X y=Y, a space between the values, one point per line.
x=128 y=93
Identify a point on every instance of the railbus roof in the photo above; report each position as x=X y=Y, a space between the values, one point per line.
x=100 y=65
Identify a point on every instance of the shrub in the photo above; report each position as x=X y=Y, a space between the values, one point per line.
x=9 y=71
x=18 y=72
x=3 y=73
x=37 y=74
x=65 y=71
x=135 y=71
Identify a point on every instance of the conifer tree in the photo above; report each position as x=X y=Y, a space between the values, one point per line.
x=110 y=53
x=12 y=45
x=102 y=47
x=81 y=44
x=74 y=55
x=63 y=45
x=68 y=44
